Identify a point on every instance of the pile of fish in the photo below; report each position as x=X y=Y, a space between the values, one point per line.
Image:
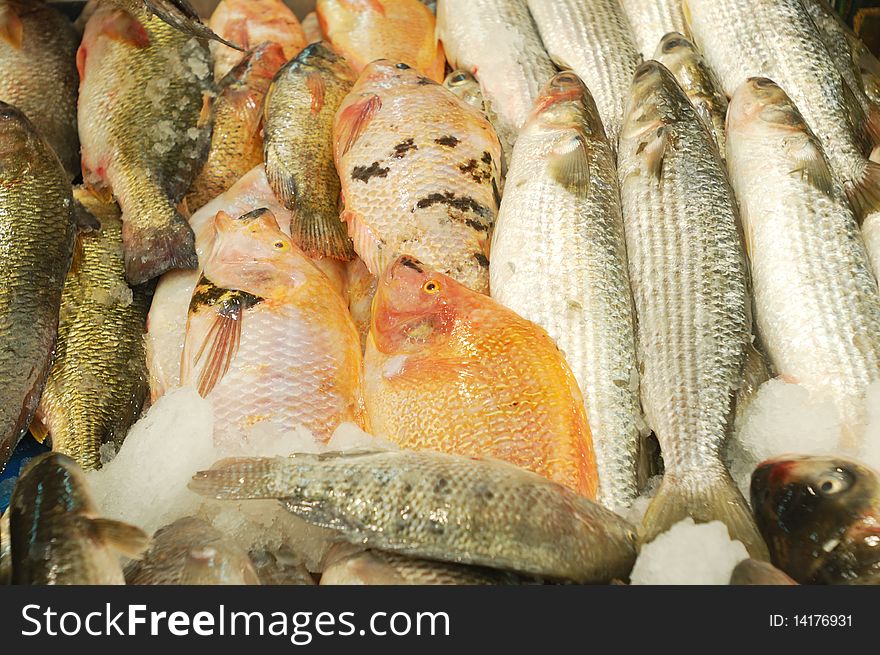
x=524 y=241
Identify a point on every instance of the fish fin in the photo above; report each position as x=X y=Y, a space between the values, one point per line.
x=39 y=430
x=206 y=113
x=864 y=195
x=704 y=498
x=151 y=248
x=181 y=15
x=353 y=120
x=127 y=29
x=569 y=164
x=122 y=537
x=86 y=222
x=810 y=164
x=11 y=27
x=321 y=235
x=872 y=124
x=240 y=478
x=81 y=55
x=366 y=244
x=654 y=150
x=317 y=88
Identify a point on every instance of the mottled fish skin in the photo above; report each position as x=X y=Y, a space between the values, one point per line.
x=559 y=259
x=145 y=126
x=347 y=564
x=697 y=80
x=192 y=552
x=818 y=307
x=820 y=517
x=420 y=174
x=98 y=381
x=689 y=280
x=507 y=391
x=595 y=41
x=236 y=140
x=778 y=39
x=57 y=536
x=511 y=71
x=38 y=73
x=651 y=20
x=435 y=506
x=36 y=245
x=299 y=113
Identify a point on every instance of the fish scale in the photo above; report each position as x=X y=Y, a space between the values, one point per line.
x=651 y=20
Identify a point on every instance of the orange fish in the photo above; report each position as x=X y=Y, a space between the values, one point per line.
x=450 y=369
x=365 y=30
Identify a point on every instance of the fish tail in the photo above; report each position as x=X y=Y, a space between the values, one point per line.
x=240 y=478
x=864 y=194
x=704 y=498
x=321 y=235
x=157 y=244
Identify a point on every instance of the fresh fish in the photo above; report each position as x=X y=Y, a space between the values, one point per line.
x=399 y=30
x=820 y=517
x=36 y=242
x=299 y=113
x=698 y=82
x=651 y=21
x=507 y=391
x=352 y=565
x=191 y=552
x=38 y=72
x=145 y=127
x=268 y=340
x=559 y=259
x=778 y=39
x=511 y=71
x=98 y=381
x=360 y=289
x=312 y=28
x=688 y=276
x=419 y=172
x=818 y=307
x=236 y=140
x=280 y=568
x=435 y=506
x=753 y=572
x=594 y=40
x=57 y=536
x=249 y=23
x=179 y=14
x=466 y=87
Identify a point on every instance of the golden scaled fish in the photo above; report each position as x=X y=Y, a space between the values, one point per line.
x=299 y=113
x=236 y=141
x=145 y=127
x=450 y=369
x=268 y=339
x=248 y=23
x=57 y=536
x=420 y=174
x=401 y=30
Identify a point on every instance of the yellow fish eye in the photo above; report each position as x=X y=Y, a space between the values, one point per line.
x=431 y=286
x=279 y=245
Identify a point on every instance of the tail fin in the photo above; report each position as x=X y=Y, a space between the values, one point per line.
x=322 y=235
x=155 y=246
x=704 y=498
x=864 y=195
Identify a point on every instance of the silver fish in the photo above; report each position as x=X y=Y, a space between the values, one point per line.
x=651 y=20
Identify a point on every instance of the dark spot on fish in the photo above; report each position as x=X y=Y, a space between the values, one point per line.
x=232 y=301
x=441 y=485
x=641 y=147
x=476 y=225
x=495 y=193
x=364 y=173
x=480 y=174
x=424 y=81
x=404 y=147
x=486 y=158
x=449 y=141
x=407 y=488
x=409 y=262
x=482 y=260
x=464 y=204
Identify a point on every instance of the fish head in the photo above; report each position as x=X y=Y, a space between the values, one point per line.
x=414 y=307
x=759 y=104
x=813 y=513
x=19 y=140
x=464 y=85
x=54 y=480
x=563 y=103
x=261 y=63
x=319 y=56
x=385 y=73
x=649 y=99
x=678 y=54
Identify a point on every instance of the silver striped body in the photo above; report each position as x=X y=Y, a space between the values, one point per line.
x=651 y=20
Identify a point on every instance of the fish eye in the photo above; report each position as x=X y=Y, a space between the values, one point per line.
x=762 y=83
x=402 y=66
x=834 y=482
x=566 y=78
x=459 y=78
x=279 y=245
x=431 y=287
x=672 y=44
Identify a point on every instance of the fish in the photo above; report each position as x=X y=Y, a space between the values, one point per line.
x=189 y=551
x=651 y=21
x=145 y=126
x=298 y=126
x=361 y=288
x=249 y=23
x=420 y=174
x=821 y=518
x=506 y=390
x=512 y=71
x=362 y=31
x=312 y=28
x=5 y=550
x=98 y=381
x=280 y=567
x=436 y=506
x=689 y=280
x=697 y=80
x=179 y=14
x=268 y=340
x=38 y=73
x=36 y=238
x=820 y=325
x=593 y=40
x=558 y=258
x=57 y=534
x=236 y=139
x=351 y=565
x=778 y=40
x=753 y=572
x=467 y=88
